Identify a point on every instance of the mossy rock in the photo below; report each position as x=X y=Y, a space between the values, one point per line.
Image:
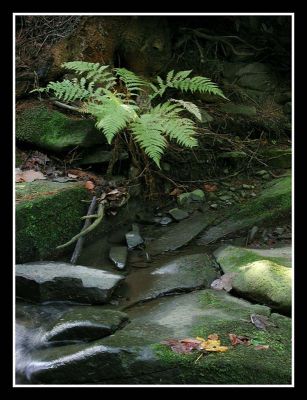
x=259 y=278
x=239 y=109
x=274 y=203
x=49 y=129
x=134 y=355
x=47 y=215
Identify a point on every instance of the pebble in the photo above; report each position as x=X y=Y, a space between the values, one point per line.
x=165 y=221
x=260 y=173
x=214 y=206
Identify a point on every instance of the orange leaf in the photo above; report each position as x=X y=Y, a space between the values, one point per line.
x=214 y=336
x=210 y=188
x=261 y=347
x=89 y=185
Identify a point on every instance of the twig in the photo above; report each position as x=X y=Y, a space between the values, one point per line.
x=87 y=230
x=80 y=242
x=72 y=108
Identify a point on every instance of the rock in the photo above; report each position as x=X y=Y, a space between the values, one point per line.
x=134 y=238
x=280 y=255
x=178 y=214
x=180 y=234
x=118 y=255
x=259 y=278
x=272 y=203
x=266 y=177
x=279 y=231
x=239 y=109
x=225 y=197
x=252 y=233
x=165 y=221
x=134 y=354
x=244 y=186
x=165 y=166
x=184 y=273
x=100 y=156
x=52 y=130
x=47 y=215
x=256 y=76
x=46 y=281
x=197 y=195
x=214 y=206
x=84 y=324
x=183 y=199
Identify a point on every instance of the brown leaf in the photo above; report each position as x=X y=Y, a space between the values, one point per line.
x=213 y=336
x=261 y=347
x=224 y=282
x=28 y=176
x=235 y=340
x=89 y=185
x=210 y=188
x=175 y=192
x=182 y=346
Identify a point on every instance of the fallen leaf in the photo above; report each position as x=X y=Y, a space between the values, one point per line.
x=28 y=176
x=214 y=336
x=224 y=282
x=210 y=188
x=182 y=346
x=175 y=192
x=89 y=185
x=235 y=340
x=261 y=321
x=213 y=345
x=261 y=347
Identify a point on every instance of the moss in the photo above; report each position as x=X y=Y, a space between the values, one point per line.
x=240 y=364
x=47 y=218
x=52 y=130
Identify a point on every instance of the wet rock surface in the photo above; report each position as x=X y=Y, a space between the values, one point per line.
x=118 y=255
x=45 y=281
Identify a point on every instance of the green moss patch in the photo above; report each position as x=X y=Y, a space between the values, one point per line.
x=47 y=215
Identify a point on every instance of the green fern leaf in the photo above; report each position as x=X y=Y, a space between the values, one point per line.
x=191 y=107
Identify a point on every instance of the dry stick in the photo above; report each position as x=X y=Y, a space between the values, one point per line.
x=80 y=242
x=87 y=230
x=72 y=108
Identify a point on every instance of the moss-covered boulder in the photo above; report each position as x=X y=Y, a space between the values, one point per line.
x=47 y=215
x=277 y=157
x=259 y=278
x=273 y=203
x=134 y=354
x=50 y=129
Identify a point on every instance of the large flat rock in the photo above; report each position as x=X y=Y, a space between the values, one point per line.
x=45 y=281
x=180 y=234
x=182 y=274
x=259 y=276
x=133 y=355
x=85 y=323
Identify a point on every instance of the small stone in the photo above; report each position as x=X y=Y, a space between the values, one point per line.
x=266 y=177
x=244 y=186
x=225 y=198
x=214 y=206
x=133 y=237
x=118 y=255
x=279 y=231
x=183 y=199
x=178 y=214
x=226 y=171
x=232 y=189
x=197 y=195
x=253 y=194
x=165 y=221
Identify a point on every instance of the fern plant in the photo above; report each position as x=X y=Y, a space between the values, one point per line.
x=113 y=97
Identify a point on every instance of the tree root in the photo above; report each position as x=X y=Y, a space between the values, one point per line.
x=100 y=215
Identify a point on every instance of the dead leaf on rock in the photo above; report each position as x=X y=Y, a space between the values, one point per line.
x=261 y=347
x=224 y=282
x=213 y=345
x=89 y=185
x=210 y=188
x=261 y=321
x=235 y=340
x=28 y=176
x=182 y=346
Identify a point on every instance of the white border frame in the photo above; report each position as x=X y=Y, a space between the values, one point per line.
x=293 y=237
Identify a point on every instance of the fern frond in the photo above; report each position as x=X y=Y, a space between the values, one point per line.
x=95 y=72
x=191 y=107
x=147 y=131
x=69 y=90
x=133 y=82
x=183 y=82
x=182 y=131
x=112 y=115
